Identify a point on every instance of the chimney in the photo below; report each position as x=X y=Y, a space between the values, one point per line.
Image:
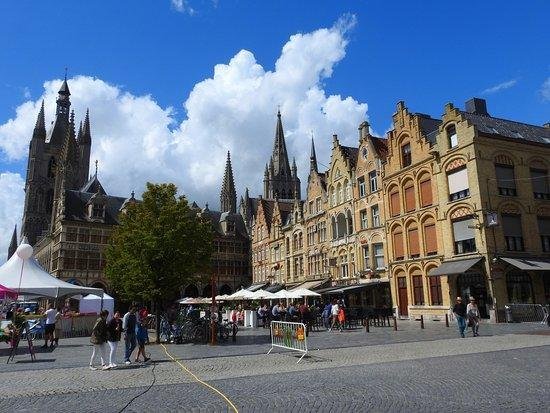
x=363 y=130
x=477 y=106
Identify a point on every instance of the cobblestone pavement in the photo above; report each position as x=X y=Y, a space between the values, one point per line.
x=498 y=372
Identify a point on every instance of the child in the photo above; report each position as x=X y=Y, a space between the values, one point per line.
x=141 y=336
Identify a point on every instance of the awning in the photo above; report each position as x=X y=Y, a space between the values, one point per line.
x=454 y=267
x=274 y=288
x=326 y=290
x=369 y=283
x=310 y=285
x=528 y=264
x=256 y=286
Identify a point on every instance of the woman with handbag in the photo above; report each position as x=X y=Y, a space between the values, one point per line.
x=99 y=340
x=473 y=316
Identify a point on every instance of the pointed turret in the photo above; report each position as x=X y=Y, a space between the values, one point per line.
x=63 y=100
x=281 y=180
x=313 y=157
x=294 y=168
x=228 y=195
x=40 y=126
x=85 y=144
x=280 y=156
x=13 y=244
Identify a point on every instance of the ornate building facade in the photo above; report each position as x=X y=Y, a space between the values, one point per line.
x=468 y=214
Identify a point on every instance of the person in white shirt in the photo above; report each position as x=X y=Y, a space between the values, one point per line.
x=472 y=311
x=334 y=313
x=49 y=329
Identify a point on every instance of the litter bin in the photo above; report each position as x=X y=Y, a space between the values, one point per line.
x=508 y=314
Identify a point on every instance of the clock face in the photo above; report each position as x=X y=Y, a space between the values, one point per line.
x=364 y=152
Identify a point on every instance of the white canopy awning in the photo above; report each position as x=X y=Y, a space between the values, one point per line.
x=34 y=279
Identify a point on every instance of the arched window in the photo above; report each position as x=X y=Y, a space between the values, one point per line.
x=334 y=228
x=452 y=137
x=464 y=235
x=333 y=196
x=348 y=190
x=520 y=289
x=406 y=156
x=340 y=195
x=397 y=240
x=430 y=236
x=395 y=208
x=426 y=198
x=341 y=225
x=413 y=241
x=408 y=190
x=504 y=169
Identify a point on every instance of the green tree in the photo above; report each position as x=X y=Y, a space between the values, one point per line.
x=160 y=246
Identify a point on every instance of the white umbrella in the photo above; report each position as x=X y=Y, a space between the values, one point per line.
x=304 y=292
x=287 y=294
x=241 y=295
x=262 y=294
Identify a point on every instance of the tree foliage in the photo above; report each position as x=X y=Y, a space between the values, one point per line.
x=160 y=246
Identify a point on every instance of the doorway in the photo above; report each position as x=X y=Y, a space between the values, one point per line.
x=402 y=296
x=473 y=285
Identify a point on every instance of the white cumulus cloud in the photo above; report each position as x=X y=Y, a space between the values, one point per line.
x=182 y=6
x=136 y=140
x=11 y=208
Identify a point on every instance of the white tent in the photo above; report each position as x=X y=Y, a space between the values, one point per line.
x=287 y=294
x=304 y=292
x=24 y=274
x=262 y=294
x=93 y=304
x=240 y=295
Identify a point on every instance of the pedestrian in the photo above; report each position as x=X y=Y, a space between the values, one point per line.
x=49 y=329
x=99 y=340
x=334 y=310
x=459 y=311
x=472 y=311
x=341 y=317
x=275 y=312
x=143 y=315
x=129 y=324
x=114 y=331
x=326 y=315
x=58 y=331
x=141 y=335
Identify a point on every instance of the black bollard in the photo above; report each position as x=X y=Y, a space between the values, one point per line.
x=447 y=320
x=234 y=333
x=367 y=325
x=422 y=322
x=394 y=323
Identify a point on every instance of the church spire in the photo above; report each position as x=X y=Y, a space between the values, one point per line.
x=280 y=155
x=40 y=126
x=228 y=195
x=86 y=133
x=63 y=101
x=313 y=157
x=13 y=244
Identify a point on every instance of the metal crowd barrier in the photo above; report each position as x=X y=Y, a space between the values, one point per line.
x=516 y=313
x=291 y=336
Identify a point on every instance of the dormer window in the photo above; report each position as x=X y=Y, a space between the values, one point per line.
x=452 y=136
x=98 y=211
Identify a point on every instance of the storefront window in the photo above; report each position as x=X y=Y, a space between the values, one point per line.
x=520 y=289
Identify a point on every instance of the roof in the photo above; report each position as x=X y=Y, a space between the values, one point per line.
x=380 y=146
x=508 y=128
x=351 y=153
x=429 y=127
x=217 y=217
x=93 y=185
x=75 y=206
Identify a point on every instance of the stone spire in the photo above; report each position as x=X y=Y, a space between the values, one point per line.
x=86 y=133
x=13 y=243
x=313 y=157
x=280 y=155
x=40 y=126
x=63 y=100
x=228 y=195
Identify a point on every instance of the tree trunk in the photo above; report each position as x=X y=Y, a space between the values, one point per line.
x=157 y=327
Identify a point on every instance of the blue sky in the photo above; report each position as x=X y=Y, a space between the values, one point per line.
x=150 y=58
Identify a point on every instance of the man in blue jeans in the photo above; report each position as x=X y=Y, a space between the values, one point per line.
x=459 y=311
x=129 y=327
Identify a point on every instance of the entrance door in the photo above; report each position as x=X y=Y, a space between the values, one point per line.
x=403 y=296
x=473 y=285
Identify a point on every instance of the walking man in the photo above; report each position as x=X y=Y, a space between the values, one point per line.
x=459 y=311
x=129 y=322
x=49 y=329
